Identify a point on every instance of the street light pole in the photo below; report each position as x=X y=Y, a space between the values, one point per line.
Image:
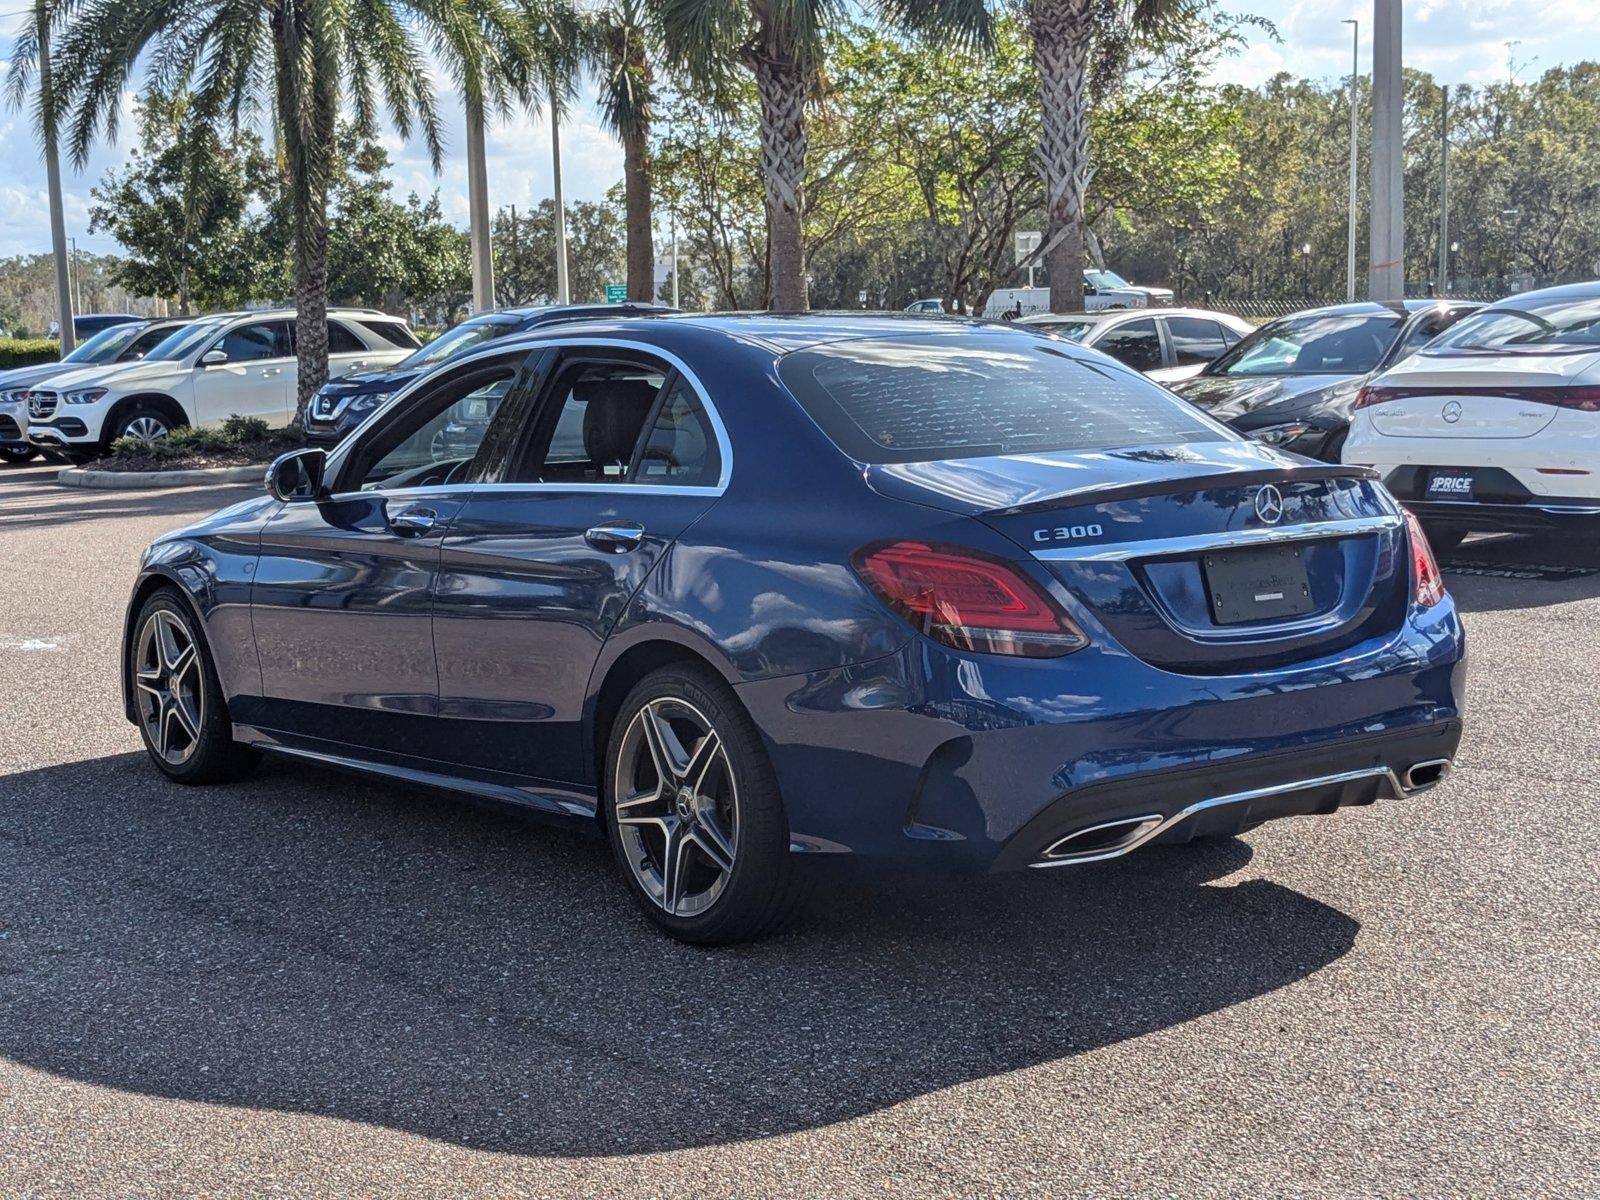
x=1355 y=143
x=478 y=212
x=1386 y=270
x=1444 y=189
x=672 y=217
x=563 y=292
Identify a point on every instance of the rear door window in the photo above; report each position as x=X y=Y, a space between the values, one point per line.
x=922 y=399
x=1137 y=344
x=1195 y=340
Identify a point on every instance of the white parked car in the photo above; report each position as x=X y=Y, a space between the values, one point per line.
x=1168 y=346
x=1102 y=290
x=217 y=367
x=1495 y=424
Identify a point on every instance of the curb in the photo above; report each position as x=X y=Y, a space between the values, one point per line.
x=84 y=478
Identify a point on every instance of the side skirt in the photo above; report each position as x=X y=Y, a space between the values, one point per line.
x=561 y=802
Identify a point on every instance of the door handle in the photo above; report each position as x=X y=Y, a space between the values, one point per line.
x=413 y=522
x=270 y=371
x=616 y=538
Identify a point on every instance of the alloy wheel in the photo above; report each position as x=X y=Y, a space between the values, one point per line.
x=146 y=429
x=171 y=687
x=676 y=806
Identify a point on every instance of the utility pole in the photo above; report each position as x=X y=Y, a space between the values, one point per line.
x=563 y=292
x=1386 y=271
x=672 y=218
x=515 y=289
x=482 y=250
x=58 y=219
x=1355 y=147
x=1444 y=189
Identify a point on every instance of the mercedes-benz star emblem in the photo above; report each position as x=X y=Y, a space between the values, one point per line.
x=1452 y=412
x=1269 y=504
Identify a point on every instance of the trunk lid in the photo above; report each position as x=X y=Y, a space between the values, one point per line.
x=1205 y=558
x=1473 y=395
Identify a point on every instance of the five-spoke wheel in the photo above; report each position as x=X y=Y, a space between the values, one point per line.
x=171 y=691
x=694 y=812
x=177 y=699
x=677 y=806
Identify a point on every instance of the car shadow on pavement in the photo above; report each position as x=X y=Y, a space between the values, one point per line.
x=1513 y=572
x=310 y=943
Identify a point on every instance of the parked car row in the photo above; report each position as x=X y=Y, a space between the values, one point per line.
x=201 y=372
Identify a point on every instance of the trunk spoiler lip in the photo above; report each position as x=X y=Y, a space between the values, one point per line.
x=1106 y=494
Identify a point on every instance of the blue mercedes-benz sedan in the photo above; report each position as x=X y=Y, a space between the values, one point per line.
x=751 y=593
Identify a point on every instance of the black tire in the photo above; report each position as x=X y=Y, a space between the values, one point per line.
x=213 y=756
x=765 y=887
x=1443 y=539
x=130 y=420
x=16 y=454
x=1333 y=447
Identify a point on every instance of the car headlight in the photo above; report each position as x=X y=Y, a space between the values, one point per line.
x=85 y=396
x=1278 y=435
x=369 y=401
x=13 y=397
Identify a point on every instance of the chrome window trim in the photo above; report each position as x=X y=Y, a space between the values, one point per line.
x=1227 y=540
x=724 y=443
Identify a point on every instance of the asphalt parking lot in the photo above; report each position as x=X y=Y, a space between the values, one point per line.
x=307 y=985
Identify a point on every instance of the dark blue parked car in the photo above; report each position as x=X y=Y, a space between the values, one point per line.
x=748 y=593
x=342 y=404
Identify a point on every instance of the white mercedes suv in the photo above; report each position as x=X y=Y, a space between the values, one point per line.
x=1495 y=424
x=217 y=367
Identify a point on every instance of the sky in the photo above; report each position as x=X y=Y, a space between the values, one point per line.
x=1459 y=41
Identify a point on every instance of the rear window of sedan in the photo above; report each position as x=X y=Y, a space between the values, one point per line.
x=1559 y=324
x=923 y=399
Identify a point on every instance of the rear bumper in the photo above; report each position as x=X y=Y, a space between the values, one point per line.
x=982 y=763
x=1508 y=518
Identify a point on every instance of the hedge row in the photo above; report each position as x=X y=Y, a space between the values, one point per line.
x=24 y=352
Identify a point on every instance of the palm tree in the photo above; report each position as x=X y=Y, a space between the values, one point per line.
x=781 y=43
x=30 y=54
x=1067 y=35
x=621 y=34
x=300 y=62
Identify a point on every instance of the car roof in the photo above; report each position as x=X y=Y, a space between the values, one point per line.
x=777 y=333
x=1586 y=290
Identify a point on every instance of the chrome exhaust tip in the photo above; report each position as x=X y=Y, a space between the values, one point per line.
x=1424 y=775
x=1108 y=840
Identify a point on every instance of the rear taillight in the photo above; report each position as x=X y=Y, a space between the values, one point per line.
x=967 y=600
x=1584 y=399
x=1427 y=582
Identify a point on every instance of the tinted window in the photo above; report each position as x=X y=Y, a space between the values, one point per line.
x=599 y=413
x=1073 y=331
x=265 y=339
x=920 y=399
x=1195 y=339
x=1325 y=345
x=1137 y=344
x=144 y=343
x=397 y=333
x=342 y=341
x=1556 y=324
x=680 y=450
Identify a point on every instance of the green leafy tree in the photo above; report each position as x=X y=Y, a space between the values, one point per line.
x=782 y=45
x=525 y=252
x=181 y=209
x=620 y=35
x=303 y=61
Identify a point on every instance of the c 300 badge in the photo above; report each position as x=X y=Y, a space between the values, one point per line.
x=1068 y=533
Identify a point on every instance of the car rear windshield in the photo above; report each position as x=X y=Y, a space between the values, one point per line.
x=922 y=399
x=1349 y=344
x=1556 y=325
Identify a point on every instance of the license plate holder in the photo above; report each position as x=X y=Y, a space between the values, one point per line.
x=1258 y=584
x=1449 y=484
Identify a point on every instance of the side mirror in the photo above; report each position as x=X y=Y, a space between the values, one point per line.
x=296 y=477
x=212 y=358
